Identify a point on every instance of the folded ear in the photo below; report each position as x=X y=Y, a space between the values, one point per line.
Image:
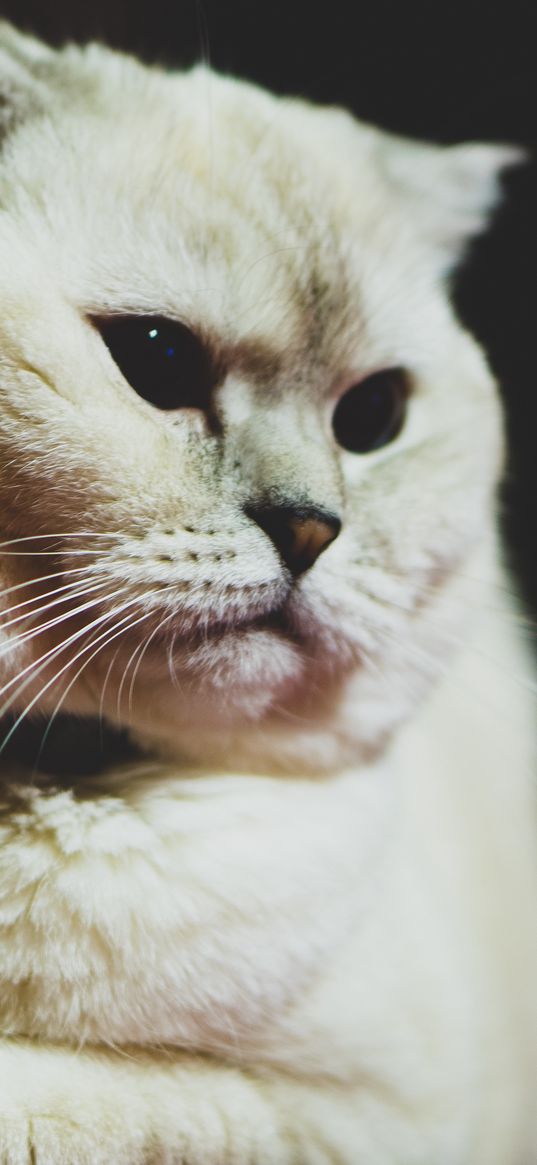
x=22 y=90
x=451 y=190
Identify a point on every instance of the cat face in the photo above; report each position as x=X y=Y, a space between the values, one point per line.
x=246 y=449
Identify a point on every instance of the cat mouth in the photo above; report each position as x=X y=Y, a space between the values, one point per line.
x=242 y=612
x=211 y=630
x=154 y=627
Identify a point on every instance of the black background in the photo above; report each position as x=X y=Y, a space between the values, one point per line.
x=443 y=71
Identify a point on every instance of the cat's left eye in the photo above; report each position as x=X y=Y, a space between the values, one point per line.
x=372 y=413
x=163 y=360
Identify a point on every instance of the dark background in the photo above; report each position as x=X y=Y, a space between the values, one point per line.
x=429 y=68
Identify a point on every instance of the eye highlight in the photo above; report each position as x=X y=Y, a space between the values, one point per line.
x=372 y=413
x=162 y=360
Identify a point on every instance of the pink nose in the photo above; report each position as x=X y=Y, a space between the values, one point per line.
x=300 y=534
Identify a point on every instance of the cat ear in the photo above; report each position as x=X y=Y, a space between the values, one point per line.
x=450 y=190
x=22 y=90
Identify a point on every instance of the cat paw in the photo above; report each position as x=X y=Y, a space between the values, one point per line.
x=59 y=1108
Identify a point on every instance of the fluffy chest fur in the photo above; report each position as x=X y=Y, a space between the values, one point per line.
x=128 y=917
x=247 y=494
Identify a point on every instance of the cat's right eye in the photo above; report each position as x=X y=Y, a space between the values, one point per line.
x=163 y=360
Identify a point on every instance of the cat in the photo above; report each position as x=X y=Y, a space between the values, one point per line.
x=249 y=463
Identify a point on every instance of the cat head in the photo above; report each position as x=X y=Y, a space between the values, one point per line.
x=246 y=449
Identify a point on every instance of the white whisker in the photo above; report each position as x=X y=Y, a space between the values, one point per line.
x=48 y=553
x=105 y=683
x=171 y=665
x=109 y=635
x=66 y=592
x=35 y=666
x=30 y=582
x=25 y=636
x=132 y=656
x=59 y=673
x=158 y=628
x=50 y=536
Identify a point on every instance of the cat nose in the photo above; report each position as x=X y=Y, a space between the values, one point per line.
x=299 y=533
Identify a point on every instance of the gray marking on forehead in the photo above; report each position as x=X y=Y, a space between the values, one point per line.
x=9 y=117
x=256 y=358
x=318 y=272
x=18 y=105
x=325 y=298
x=290 y=210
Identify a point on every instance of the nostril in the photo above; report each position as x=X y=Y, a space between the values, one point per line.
x=310 y=537
x=299 y=533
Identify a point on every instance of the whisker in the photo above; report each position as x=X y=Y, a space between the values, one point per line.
x=105 y=683
x=166 y=619
x=171 y=665
x=114 y=635
x=71 y=588
x=124 y=676
x=32 y=633
x=50 y=536
x=29 y=582
x=48 y=553
x=496 y=587
x=63 y=669
x=427 y=590
x=430 y=591
x=462 y=642
x=52 y=651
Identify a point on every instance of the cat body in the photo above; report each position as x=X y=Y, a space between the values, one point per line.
x=303 y=929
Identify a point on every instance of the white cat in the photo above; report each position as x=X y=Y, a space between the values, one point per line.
x=247 y=495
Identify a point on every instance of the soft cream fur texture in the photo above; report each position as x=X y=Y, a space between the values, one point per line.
x=303 y=931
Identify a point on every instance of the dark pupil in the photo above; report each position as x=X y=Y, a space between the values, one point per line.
x=371 y=413
x=163 y=361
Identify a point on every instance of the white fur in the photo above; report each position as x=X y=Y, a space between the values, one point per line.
x=305 y=930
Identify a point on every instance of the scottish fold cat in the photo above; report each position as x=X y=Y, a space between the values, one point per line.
x=249 y=461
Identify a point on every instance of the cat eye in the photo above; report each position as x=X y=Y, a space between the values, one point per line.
x=372 y=413
x=163 y=360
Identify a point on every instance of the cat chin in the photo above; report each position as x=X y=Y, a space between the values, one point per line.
x=235 y=678
x=258 y=697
